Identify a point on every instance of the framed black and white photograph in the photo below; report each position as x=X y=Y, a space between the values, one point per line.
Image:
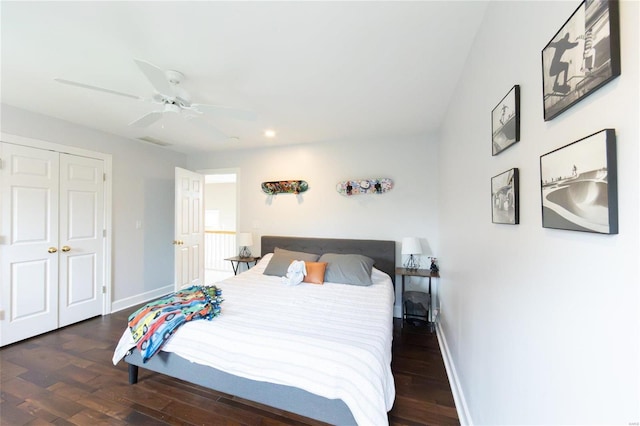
x=505 y=198
x=579 y=185
x=505 y=121
x=582 y=56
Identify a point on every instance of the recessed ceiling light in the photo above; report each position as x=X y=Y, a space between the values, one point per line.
x=270 y=133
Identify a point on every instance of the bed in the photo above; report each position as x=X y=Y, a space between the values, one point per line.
x=347 y=328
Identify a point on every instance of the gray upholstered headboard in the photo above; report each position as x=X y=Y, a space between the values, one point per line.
x=381 y=251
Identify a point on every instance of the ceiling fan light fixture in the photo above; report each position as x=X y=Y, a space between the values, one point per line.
x=172 y=108
x=270 y=133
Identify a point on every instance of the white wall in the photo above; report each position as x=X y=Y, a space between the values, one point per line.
x=541 y=325
x=410 y=209
x=143 y=190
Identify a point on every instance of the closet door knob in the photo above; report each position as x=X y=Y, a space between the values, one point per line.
x=52 y=250
x=66 y=248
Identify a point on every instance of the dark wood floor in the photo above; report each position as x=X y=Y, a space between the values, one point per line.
x=66 y=377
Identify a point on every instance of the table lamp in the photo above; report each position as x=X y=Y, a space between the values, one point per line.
x=412 y=247
x=244 y=241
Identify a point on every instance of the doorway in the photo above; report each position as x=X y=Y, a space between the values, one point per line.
x=220 y=219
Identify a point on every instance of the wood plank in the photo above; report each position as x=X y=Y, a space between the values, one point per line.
x=12 y=415
x=93 y=417
x=10 y=371
x=111 y=408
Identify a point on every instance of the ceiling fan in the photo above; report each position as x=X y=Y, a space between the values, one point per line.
x=169 y=96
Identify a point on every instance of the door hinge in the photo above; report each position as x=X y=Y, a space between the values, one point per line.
x=104 y=232
x=104 y=289
x=104 y=177
x=2 y=315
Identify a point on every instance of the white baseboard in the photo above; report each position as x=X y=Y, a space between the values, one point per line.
x=458 y=396
x=128 y=302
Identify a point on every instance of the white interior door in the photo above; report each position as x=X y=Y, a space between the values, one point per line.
x=29 y=246
x=81 y=238
x=189 y=228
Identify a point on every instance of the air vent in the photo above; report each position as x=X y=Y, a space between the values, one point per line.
x=154 y=141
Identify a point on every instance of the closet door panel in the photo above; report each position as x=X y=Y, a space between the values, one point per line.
x=81 y=238
x=29 y=248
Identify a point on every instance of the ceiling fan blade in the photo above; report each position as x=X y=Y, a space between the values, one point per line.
x=213 y=132
x=100 y=89
x=147 y=119
x=239 y=114
x=156 y=77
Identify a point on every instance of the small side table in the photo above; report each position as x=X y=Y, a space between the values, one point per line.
x=424 y=273
x=237 y=260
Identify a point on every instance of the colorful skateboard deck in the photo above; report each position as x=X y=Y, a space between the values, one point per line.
x=365 y=186
x=285 y=187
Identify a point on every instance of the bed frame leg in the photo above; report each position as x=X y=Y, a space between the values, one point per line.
x=133 y=374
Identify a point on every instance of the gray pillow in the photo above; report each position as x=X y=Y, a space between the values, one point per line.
x=347 y=268
x=281 y=260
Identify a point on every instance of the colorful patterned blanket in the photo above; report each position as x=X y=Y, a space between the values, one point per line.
x=155 y=322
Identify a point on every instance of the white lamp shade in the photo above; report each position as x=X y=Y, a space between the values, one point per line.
x=245 y=239
x=411 y=245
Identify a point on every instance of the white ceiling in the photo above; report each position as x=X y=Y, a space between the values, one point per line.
x=313 y=71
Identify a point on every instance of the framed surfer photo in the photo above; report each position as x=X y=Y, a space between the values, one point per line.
x=582 y=56
x=579 y=185
x=505 y=121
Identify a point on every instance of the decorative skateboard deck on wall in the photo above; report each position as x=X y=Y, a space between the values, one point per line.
x=365 y=186
x=285 y=187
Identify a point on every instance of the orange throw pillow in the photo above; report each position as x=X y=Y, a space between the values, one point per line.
x=315 y=272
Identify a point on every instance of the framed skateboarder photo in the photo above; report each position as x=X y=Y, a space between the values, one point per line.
x=505 y=198
x=582 y=56
x=579 y=185
x=505 y=122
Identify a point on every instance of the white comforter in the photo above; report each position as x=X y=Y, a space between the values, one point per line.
x=333 y=340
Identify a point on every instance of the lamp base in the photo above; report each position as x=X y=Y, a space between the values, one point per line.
x=245 y=252
x=412 y=263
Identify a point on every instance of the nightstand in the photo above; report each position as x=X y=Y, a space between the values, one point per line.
x=237 y=260
x=417 y=297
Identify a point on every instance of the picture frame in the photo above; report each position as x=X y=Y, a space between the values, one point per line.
x=579 y=185
x=505 y=122
x=582 y=56
x=505 y=197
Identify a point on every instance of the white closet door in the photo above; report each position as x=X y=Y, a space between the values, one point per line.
x=29 y=245
x=189 y=228
x=81 y=238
